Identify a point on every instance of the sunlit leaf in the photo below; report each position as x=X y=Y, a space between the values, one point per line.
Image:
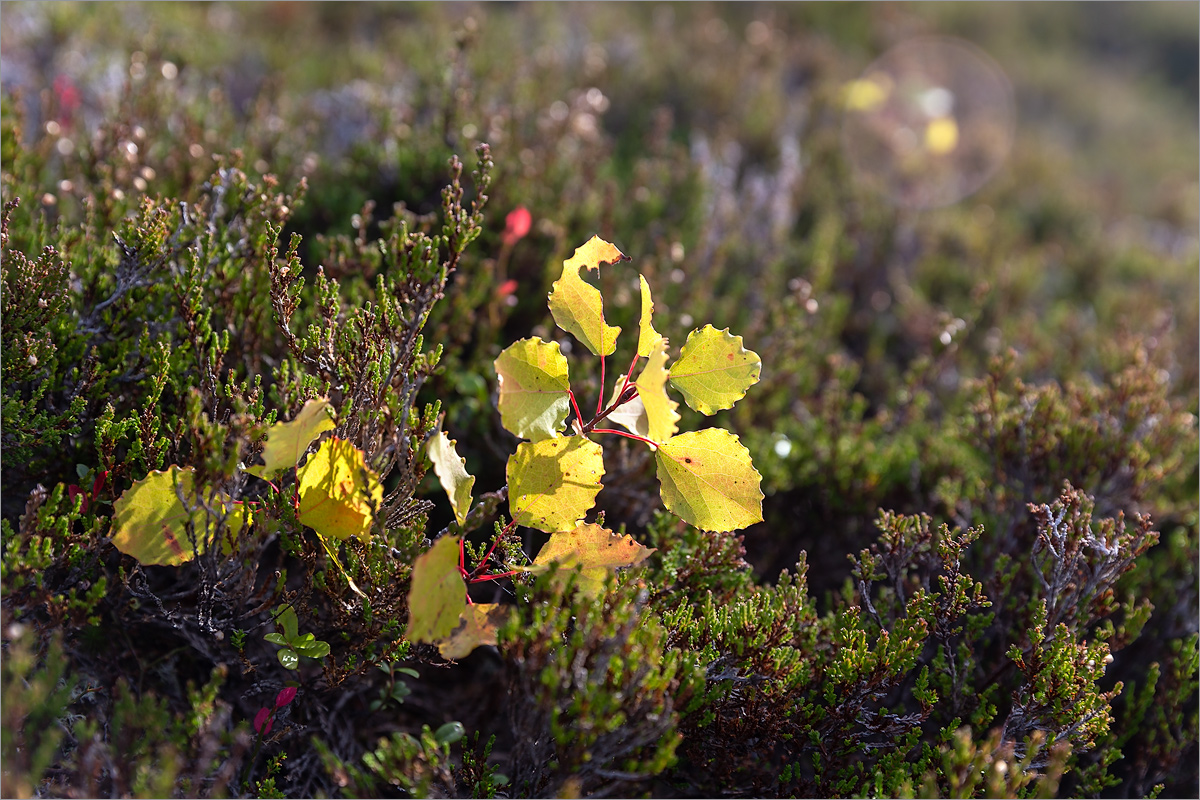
x=661 y=417
x=714 y=370
x=534 y=390
x=338 y=491
x=577 y=306
x=594 y=551
x=648 y=338
x=708 y=480
x=287 y=441
x=452 y=473
x=150 y=522
x=438 y=595
x=476 y=627
x=553 y=483
x=289 y=658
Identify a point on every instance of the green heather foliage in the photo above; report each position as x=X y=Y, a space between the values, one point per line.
x=304 y=495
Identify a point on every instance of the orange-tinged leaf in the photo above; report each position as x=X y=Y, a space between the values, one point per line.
x=594 y=551
x=476 y=627
x=150 y=523
x=338 y=491
x=287 y=441
x=553 y=483
x=708 y=480
x=661 y=417
x=438 y=594
x=577 y=306
x=534 y=389
x=714 y=370
x=452 y=473
x=648 y=338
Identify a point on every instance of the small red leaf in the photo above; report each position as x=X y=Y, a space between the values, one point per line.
x=263 y=721
x=285 y=696
x=517 y=225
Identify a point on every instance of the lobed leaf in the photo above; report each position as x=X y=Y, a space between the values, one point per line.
x=451 y=471
x=438 y=595
x=534 y=390
x=477 y=626
x=577 y=306
x=708 y=480
x=150 y=523
x=648 y=338
x=338 y=491
x=661 y=416
x=287 y=441
x=714 y=370
x=553 y=483
x=593 y=550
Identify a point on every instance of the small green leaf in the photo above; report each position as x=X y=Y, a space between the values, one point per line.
x=339 y=492
x=648 y=338
x=438 y=594
x=594 y=551
x=534 y=390
x=577 y=306
x=289 y=658
x=708 y=480
x=314 y=649
x=476 y=627
x=287 y=441
x=661 y=416
x=553 y=483
x=452 y=473
x=150 y=523
x=449 y=733
x=714 y=370
x=288 y=621
x=276 y=638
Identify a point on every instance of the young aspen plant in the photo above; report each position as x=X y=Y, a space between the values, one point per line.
x=706 y=477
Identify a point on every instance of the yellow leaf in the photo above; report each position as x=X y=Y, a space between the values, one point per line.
x=577 y=306
x=438 y=594
x=648 y=338
x=714 y=370
x=150 y=523
x=477 y=625
x=338 y=491
x=534 y=389
x=708 y=480
x=553 y=483
x=661 y=417
x=287 y=441
x=594 y=551
x=452 y=473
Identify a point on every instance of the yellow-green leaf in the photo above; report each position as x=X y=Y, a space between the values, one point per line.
x=594 y=551
x=150 y=523
x=714 y=370
x=452 y=473
x=438 y=594
x=577 y=306
x=648 y=338
x=287 y=441
x=534 y=390
x=553 y=483
x=708 y=480
x=477 y=626
x=661 y=417
x=338 y=491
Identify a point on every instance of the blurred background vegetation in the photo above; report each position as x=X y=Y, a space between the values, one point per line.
x=707 y=141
